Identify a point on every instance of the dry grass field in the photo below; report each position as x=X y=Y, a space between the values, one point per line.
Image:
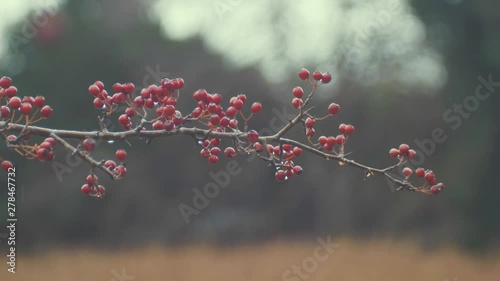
x=351 y=261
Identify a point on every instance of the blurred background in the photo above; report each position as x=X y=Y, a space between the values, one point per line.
x=401 y=70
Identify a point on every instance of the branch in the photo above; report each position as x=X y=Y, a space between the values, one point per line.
x=219 y=123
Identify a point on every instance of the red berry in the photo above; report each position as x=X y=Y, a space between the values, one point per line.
x=200 y=95
x=215 y=119
x=256 y=107
x=29 y=100
x=124 y=119
x=333 y=108
x=5 y=82
x=434 y=190
x=99 y=84
x=212 y=159
x=129 y=112
x=276 y=150
x=50 y=156
x=298 y=92
x=349 y=129
x=121 y=171
x=45 y=145
x=26 y=108
x=342 y=128
x=94 y=90
x=304 y=74
x=238 y=104
x=50 y=141
x=286 y=147
x=46 y=111
x=280 y=175
x=10 y=92
x=216 y=98
x=85 y=189
x=242 y=97
x=42 y=153
x=101 y=190
x=15 y=102
x=110 y=164
x=169 y=125
x=180 y=83
x=322 y=140
x=407 y=172
x=430 y=177
x=121 y=154
x=213 y=108
x=149 y=103
x=224 y=121
x=404 y=148
x=39 y=101
x=229 y=152
x=205 y=153
x=215 y=151
x=331 y=141
x=252 y=136
x=258 y=147
x=158 y=125
x=231 y=111
x=420 y=172
x=297 y=170
x=340 y=139
x=98 y=103
x=129 y=87
x=297 y=103
x=145 y=93
x=91 y=180
x=233 y=124
x=394 y=152
x=139 y=101
x=439 y=186
x=411 y=153
x=310 y=122
x=169 y=110
x=89 y=144
x=297 y=151
x=317 y=75
x=6 y=165
x=4 y=111
x=310 y=132
x=327 y=77
x=117 y=87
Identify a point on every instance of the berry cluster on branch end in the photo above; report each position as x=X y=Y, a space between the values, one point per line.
x=152 y=113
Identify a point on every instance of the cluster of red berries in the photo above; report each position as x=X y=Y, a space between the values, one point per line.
x=163 y=98
x=44 y=151
x=328 y=143
x=285 y=153
x=32 y=109
x=431 y=182
x=298 y=92
x=92 y=187
x=287 y=170
x=26 y=105
x=404 y=152
x=318 y=76
x=211 y=150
